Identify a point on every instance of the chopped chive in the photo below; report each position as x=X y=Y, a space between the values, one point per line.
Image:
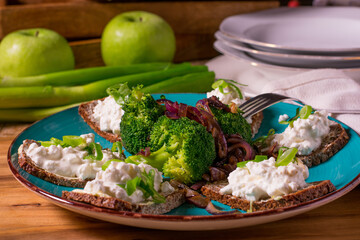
x=258 y=158
x=95 y=152
x=73 y=141
x=106 y=165
x=286 y=157
x=117 y=147
x=305 y=112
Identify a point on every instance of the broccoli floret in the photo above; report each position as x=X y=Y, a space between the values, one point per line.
x=232 y=123
x=185 y=150
x=141 y=112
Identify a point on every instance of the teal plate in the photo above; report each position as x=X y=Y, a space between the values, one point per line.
x=343 y=170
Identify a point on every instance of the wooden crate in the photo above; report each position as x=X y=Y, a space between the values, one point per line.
x=82 y=22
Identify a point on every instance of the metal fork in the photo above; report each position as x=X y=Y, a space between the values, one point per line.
x=262 y=101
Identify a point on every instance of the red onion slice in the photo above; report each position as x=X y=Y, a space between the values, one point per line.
x=248 y=149
x=196 y=198
x=217 y=174
x=210 y=208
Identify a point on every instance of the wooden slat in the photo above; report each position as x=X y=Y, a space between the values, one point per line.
x=85 y=20
x=189 y=47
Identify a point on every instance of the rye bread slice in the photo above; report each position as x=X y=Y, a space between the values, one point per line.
x=29 y=166
x=86 y=111
x=313 y=191
x=330 y=145
x=256 y=122
x=173 y=200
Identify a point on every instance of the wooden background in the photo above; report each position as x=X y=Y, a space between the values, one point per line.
x=82 y=22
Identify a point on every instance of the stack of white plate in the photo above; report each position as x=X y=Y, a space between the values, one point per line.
x=303 y=37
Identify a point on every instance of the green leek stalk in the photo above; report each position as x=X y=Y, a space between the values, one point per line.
x=193 y=82
x=81 y=76
x=49 y=96
x=30 y=114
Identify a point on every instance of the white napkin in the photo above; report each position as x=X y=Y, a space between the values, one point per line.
x=328 y=89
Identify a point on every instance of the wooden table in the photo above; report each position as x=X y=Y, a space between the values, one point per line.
x=24 y=215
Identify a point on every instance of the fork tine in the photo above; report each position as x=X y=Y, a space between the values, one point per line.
x=260 y=102
x=254 y=104
x=259 y=108
x=250 y=101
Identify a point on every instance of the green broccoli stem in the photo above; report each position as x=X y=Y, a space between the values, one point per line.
x=80 y=76
x=193 y=82
x=156 y=159
x=30 y=114
x=49 y=96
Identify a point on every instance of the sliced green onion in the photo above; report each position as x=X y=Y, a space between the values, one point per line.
x=117 y=147
x=286 y=157
x=223 y=83
x=292 y=120
x=46 y=143
x=219 y=84
x=131 y=185
x=305 y=112
x=119 y=92
x=53 y=141
x=68 y=141
x=94 y=148
x=261 y=140
x=258 y=158
x=237 y=90
x=107 y=164
x=281 y=150
x=130 y=160
x=73 y=141
x=147 y=186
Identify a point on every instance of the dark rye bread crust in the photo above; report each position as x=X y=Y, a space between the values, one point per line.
x=313 y=191
x=256 y=122
x=29 y=166
x=173 y=200
x=86 y=111
x=330 y=145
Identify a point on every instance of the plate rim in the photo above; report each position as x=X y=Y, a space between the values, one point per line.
x=67 y=204
x=258 y=63
x=279 y=47
x=244 y=48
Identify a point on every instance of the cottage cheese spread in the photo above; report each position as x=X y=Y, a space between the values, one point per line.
x=105 y=183
x=229 y=96
x=283 y=117
x=263 y=180
x=306 y=134
x=68 y=161
x=108 y=114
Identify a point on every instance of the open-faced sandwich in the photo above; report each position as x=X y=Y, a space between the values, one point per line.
x=104 y=115
x=69 y=162
x=316 y=137
x=129 y=187
x=264 y=184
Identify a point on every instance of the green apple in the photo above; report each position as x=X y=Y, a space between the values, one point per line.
x=34 y=51
x=137 y=37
